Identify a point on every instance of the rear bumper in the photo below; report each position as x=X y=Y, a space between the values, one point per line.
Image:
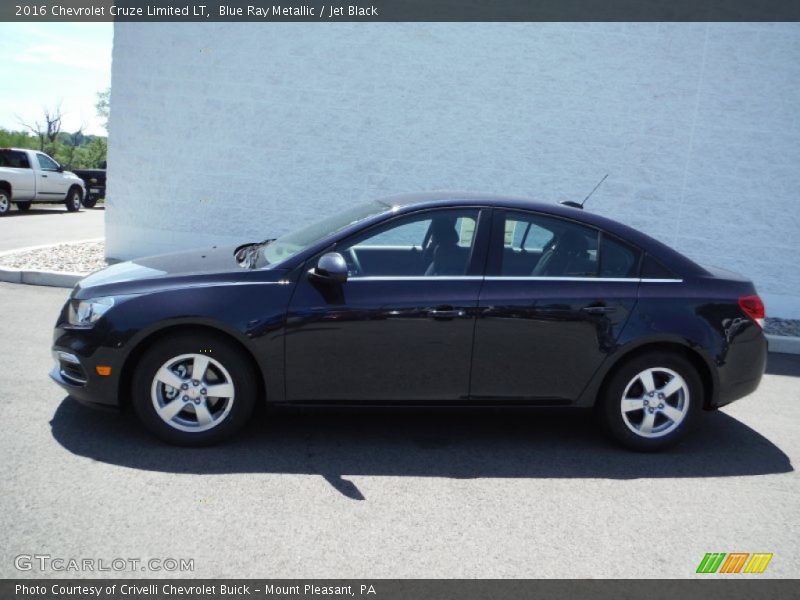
x=742 y=368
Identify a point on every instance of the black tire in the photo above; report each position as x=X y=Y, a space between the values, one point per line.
x=688 y=402
x=147 y=390
x=89 y=202
x=23 y=206
x=74 y=199
x=5 y=201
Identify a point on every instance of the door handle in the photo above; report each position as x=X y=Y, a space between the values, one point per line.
x=599 y=310
x=45 y=176
x=445 y=313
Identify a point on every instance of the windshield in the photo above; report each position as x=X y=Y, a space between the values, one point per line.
x=290 y=244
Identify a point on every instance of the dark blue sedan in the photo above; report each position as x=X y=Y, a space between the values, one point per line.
x=435 y=299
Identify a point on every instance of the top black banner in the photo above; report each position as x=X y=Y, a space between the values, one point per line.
x=401 y=10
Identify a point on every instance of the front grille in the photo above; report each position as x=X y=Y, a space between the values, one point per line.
x=73 y=373
x=70 y=368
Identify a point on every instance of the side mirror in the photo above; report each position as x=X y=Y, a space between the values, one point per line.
x=331 y=268
x=60 y=168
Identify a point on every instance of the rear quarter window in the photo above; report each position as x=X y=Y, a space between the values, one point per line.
x=618 y=259
x=654 y=269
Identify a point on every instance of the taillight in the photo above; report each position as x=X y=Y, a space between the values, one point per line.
x=753 y=307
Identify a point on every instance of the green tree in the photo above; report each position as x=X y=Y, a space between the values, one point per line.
x=103 y=106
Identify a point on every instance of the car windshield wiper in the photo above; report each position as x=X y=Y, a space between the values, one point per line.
x=247 y=255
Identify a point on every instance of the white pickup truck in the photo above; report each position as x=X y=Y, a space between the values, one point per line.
x=28 y=176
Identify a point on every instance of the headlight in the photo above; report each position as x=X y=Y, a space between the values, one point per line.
x=86 y=312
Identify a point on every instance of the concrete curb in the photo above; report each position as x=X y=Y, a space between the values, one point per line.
x=784 y=344
x=33 y=277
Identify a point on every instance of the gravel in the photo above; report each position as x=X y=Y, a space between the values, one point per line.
x=775 y=326
x=82 y=257
x=85 y=257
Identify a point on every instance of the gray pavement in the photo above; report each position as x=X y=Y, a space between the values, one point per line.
x=49 y=224
x=387 y=494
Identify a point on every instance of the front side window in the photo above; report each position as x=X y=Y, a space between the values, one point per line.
x=540 y=246
x=46 y=163
x=434 y=243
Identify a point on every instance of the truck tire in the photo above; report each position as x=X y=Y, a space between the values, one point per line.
x=5 y=201
x=89 y=202
x=23 y=206
x=73 y=200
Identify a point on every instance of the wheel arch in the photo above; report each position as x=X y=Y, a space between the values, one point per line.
x=6 y=185
x=72 y=188
x=142 y=345
x=699 y=361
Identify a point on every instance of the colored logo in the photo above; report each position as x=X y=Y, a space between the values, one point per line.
x=735 y=562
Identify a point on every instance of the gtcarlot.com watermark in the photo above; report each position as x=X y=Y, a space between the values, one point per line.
x=61 y=564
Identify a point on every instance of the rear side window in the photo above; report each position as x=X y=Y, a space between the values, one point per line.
x=542 y=246
x=14 y=159
x=617 y=259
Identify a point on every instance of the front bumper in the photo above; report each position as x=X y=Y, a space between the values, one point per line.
x=77 y=354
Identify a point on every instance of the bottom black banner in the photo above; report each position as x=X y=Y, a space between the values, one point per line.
x=397 y=589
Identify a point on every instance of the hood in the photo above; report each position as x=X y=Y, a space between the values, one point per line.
x=179 y=269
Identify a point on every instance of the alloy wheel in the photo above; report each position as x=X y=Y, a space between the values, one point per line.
x=655 y=402
x=192 y=392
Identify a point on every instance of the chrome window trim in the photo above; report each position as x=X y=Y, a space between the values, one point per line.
x=507 y=278
x=417 y=278
x=533 y=278
x=662 y=280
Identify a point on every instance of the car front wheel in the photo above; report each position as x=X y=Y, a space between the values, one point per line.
x=651 y=401
x=194 y=390
x=73 y=201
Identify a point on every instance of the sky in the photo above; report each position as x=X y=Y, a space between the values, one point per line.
x=45 y=64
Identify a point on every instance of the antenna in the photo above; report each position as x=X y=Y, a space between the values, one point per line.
x=589 y=195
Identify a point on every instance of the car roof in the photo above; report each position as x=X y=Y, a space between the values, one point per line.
x=671 y=258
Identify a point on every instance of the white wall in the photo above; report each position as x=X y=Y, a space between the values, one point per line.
x=236 y=132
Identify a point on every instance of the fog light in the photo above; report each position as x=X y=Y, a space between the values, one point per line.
x=103 y=370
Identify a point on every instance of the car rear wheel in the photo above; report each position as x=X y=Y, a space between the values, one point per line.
x=89 y=202
x=194 y=390
x=651 y=401
x=73 y=201
x=23 y=206
x=5 y=201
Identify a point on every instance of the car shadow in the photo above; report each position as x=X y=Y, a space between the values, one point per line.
x=336 y=444
x=56 y=209
x=783 y=364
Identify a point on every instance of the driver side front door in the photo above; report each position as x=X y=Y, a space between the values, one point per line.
x=396 y=331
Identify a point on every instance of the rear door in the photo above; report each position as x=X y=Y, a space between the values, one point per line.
x=556 y=296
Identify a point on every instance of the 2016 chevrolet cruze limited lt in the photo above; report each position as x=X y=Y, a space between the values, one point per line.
x=437 y=299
